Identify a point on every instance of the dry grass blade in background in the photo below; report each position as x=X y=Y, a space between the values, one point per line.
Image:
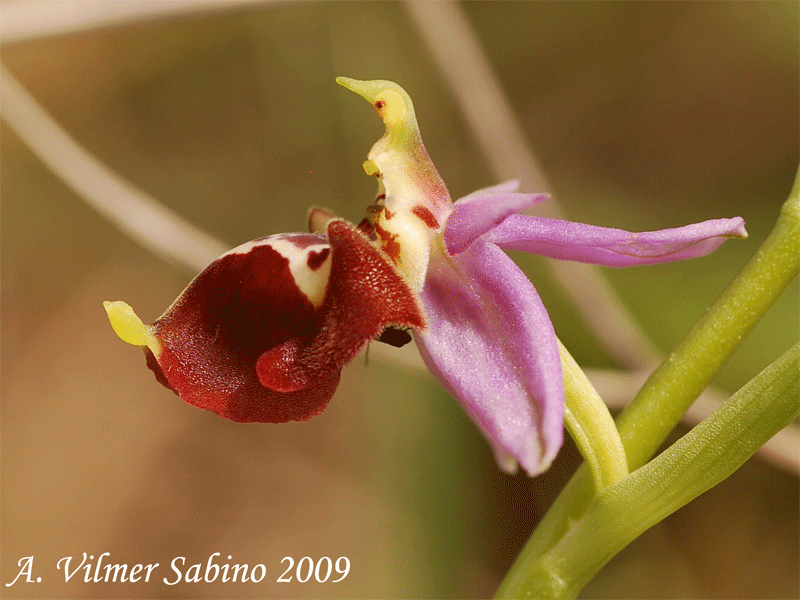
x=464 y=65
x=134 y=212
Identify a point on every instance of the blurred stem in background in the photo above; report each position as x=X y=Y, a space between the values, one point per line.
x=464 y=65
x=137 y=214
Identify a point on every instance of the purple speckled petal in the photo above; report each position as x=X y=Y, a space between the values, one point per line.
x=612 y=247
x=491 y=344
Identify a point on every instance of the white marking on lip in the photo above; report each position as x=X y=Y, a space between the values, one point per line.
x=247 y=247
x=311 y=282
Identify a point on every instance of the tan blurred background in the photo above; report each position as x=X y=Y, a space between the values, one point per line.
x=643 y=115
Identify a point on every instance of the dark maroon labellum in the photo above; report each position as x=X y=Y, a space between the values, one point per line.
x=244 y=341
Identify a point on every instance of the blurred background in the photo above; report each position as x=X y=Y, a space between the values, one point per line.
x=642 y=115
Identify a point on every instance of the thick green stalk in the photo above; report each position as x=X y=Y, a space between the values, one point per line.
x=701 y=459
x=591 y=426
x=665 y=397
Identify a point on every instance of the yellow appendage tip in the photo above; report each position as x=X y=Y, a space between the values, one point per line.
x=128 y=326
x=391 y=101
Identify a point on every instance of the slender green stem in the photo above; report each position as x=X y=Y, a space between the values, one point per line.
x=664 y=398
x=701 y=459
x=591 y=426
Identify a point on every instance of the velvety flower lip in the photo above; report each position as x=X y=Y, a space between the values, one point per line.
x=262 y=334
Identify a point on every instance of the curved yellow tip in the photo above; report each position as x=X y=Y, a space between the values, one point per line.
x=366 y=89
x=129 y=327
x=390 y=100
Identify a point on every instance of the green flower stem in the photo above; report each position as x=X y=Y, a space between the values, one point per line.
x=664 y=398
x=701 y=459
x=588 y=421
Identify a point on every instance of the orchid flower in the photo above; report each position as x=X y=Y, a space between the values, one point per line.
x=263 y=333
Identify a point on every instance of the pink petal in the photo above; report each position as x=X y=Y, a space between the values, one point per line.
x=477 y=213
x=491 y=344
x=612 y=247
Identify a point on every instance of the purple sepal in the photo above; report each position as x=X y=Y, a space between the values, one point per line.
x=482 y=211
x=491 y=343
x=580 y=242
